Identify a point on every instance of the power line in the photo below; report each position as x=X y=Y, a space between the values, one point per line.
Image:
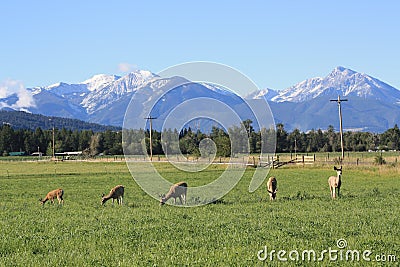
x=151 y=129
x=338 y=100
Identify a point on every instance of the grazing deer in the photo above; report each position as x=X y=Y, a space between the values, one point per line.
x=272 y=188
x=176 y=190
x=57 y=193
x=116 y=193
x=335 y=182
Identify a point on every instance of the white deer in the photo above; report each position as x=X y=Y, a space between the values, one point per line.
x=178 y=190
x=116 y=193
x=272 y=188
x=57 y=193
x=335 y=182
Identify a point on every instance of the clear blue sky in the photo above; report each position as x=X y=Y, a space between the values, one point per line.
x=275 y=43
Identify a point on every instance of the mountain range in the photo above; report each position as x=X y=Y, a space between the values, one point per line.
x=372 y=104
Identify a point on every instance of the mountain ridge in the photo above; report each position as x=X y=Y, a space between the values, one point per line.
x=341 y=81
x=104 y=99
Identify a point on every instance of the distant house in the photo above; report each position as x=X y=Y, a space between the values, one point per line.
x=21 y=153
x=74 y=153
x=67 y=155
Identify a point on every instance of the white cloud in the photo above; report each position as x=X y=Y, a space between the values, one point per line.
x=25 y=99
x=126 y=67
x=9 y=87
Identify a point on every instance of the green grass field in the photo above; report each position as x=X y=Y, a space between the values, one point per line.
x=230 y=233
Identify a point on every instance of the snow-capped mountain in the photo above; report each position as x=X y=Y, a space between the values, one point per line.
x=373 y=104
x=107 y=93
x=268 y=94
x=341 y=81
x=100 y=80
x=80 y=100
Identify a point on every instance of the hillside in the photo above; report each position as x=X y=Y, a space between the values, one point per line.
x=23 y=120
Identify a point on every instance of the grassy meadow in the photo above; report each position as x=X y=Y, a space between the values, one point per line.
x=229 y=233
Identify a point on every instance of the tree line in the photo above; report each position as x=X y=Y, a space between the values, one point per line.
x=109 y=142
x=89 y=142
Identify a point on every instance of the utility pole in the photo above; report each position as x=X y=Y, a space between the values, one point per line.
x=151 y=140
x=338 y=100
x=53 y=146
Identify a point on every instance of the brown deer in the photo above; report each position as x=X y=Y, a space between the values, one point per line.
x=57 y=193
x=116 y=193
x=272 y=188
x=178 y=190
x=335 y=182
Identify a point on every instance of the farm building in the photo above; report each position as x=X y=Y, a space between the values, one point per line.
x=20 y=153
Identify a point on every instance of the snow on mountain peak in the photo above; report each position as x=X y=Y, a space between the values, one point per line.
x=342 y=70
x=53 y=85
x=341 y=81
x=144 y=74
x=267 y=93
x=99 y=80
x=111 y=89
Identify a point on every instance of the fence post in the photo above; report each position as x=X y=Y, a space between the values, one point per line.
x=273 y=163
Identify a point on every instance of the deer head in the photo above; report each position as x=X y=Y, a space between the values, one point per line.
x=162 y=199
x=338 y=171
